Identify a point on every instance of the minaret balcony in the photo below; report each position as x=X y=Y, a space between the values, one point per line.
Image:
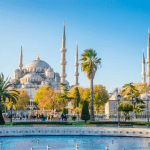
x=147 y=61
x=63 y=62
x=76 y=64
x=63 y=50
x=76 y=74
x=63 y=75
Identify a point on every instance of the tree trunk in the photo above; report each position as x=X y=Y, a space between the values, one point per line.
x=92 y=107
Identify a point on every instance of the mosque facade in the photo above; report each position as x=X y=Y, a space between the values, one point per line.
x=39 y=73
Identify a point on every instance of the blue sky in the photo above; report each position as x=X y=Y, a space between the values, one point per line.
x=117 y=30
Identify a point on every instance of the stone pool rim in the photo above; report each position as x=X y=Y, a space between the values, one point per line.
x=74 y=131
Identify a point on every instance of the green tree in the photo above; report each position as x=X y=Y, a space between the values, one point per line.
x=125 y=108
x=65 y=110
x=62 y=97
x=100 y=96
x=5 y=93
x=85 y=115
x=89 y=65
x=77 y=97
x=131 y=93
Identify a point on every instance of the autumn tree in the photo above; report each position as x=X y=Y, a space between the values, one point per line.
x=45 y=98
x=48 y=101
x=21 y=102
x=100 y=97
x=40 y=93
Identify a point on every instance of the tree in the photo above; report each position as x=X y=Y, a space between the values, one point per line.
x=6 y=93
x=76 y=97
x=89 y=66
x=125 y=108
x=40 y=93
x=140 y=87
x=100 y=96
x=85 y=115
x=45 y=97
x=131 y=93
x=62 y=97
x=21 y=102
x=65 y=110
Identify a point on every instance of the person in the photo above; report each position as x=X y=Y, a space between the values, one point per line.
x=62 y=116
x=26 y=117
x=20 y=117
x=42 y=117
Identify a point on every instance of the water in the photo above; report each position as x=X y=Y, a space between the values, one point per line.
x=69 y=143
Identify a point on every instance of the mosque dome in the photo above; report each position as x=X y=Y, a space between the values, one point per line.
x=37 y=64
x=30 y=75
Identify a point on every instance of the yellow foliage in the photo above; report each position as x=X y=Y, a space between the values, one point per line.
x=22 y=101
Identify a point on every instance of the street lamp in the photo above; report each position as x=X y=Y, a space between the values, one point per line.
x=11 y=112
x=53 y=109
x=146 y=96
x=118 y=100
x=5 y=104
x=147 y=111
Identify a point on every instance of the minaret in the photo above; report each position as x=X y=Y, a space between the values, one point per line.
x=76 y=74
x=63 y=57
x=148 y=59
x=21 y=58
x=143 y=69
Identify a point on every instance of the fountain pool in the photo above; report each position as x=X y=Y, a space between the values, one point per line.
x=69 y=143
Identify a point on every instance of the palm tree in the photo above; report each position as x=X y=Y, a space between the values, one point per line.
x=6 y=93
x=89 y=66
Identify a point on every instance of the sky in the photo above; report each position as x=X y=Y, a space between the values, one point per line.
x=117 y=30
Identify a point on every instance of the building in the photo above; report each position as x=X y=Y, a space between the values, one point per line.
x=39 y=73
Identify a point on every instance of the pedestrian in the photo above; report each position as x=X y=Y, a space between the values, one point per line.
x=62 y=116
x=26 y=117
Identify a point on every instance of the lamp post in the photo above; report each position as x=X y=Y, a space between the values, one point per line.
x=11 y=112
x=5 y=104
x=53 y=109
x=118 y=100
x=147 y=111
x=146 y=96
x=5 y=109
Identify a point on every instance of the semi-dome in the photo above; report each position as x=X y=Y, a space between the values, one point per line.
x=37 y=64
x=49 y=70
x=30 y=75
x=17 y=70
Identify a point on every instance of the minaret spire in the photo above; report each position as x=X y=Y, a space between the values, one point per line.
x=148 y=59
x=64 y=37
x=20 y=59
x=63 y=57
x=143 y=69
x=76 y=74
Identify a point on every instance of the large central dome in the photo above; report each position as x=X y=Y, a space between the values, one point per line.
x=37 y=64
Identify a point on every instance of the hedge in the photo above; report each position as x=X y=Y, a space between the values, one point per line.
x=131 y=123
x=49 y=123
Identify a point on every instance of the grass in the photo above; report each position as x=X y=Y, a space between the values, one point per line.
x=78 y=123
x=110 y=123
